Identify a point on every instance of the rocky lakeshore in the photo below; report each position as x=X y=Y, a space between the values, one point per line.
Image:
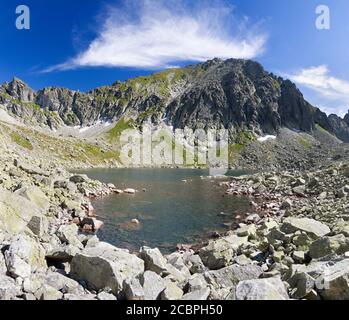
x=294 y=246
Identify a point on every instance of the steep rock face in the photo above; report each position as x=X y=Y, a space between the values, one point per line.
x=296 y=112
x=235 y=94
x=340 y=127
x=19 y=90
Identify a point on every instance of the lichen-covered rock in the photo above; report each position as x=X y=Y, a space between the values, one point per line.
x=36 y=196
x=16 y=212
x=24 y=255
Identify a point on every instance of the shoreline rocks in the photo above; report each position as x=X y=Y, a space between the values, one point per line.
x=294 y=244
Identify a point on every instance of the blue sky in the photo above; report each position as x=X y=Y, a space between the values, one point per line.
x=83 y=44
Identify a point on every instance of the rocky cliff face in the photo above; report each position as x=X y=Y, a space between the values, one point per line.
x=340 y=126
x=235 y=94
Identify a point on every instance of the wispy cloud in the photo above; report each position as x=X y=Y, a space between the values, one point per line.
x=156 y=34
x=331 y=92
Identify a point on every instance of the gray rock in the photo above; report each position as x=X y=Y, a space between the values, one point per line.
x=153 y=260
x=152 y=284
x=195 y=264
x=261 y=289
x=197 y=295
x=63 y=283
x=16 y=212
x=79 y=178
x=287 y=204
x=47 y=292
x=24 y=255
x=63 y=253
x=36 y=196
x=196 y=282
x=105 y=266
x=230 y=276
x=171 y=292
x=76 y=297
x=299 y=256
x=217 y=254
x=302 y=284
x=333 y=284
x=106 y=296
x=39 y=225
x=68 y=234
x=8 y=290
x=324 y=246
x=312 y=227
x=133 y=290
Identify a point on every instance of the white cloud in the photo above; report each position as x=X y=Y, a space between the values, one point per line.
x=157 y=34
x=331 y=93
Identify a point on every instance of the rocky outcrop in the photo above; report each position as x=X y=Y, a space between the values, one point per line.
x=340 y=126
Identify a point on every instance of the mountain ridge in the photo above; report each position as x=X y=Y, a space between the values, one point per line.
x=239 y=95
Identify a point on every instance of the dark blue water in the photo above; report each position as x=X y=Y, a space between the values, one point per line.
x=170 y=211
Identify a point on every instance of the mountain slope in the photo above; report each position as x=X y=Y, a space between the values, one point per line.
x=235 y=94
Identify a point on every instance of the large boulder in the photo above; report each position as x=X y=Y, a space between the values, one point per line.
x=154 y=260
x=48 y=293
x=63 y=283
x=171 y=292
x=35 y=195
x=333 y=284
x=312 y=227
x=24 y=255
x=232 y=275
x=39 y=225
x=8 y=289
x=68 y=234
x=197 y=295
x=133 y=290
x=261 y=289
x=16 y=212
x=105 y=266
x=153 y=285
x=324 y=246
x=218 y=254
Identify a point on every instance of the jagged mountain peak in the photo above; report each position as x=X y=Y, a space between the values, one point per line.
x=19 y=90
x=236 y=94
